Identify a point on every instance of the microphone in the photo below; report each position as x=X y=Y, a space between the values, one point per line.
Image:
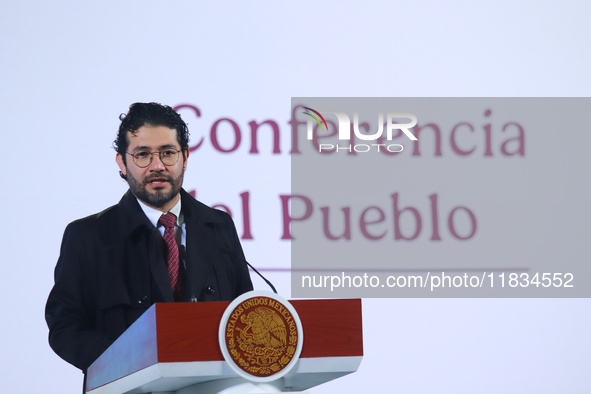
x=250 y=265
x=188 y=284
x=259 y=274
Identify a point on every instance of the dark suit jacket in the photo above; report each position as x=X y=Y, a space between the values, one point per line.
x=111 y=269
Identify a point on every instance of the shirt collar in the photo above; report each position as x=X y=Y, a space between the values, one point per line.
x=154 y=214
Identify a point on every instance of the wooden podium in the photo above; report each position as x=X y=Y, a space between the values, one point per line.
x=174 y=348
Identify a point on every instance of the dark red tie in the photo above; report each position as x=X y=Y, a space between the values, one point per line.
x=176 y=280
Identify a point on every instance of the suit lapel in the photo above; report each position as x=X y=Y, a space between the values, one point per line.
x=200 y=254
x=135 y=224
x=202 y=251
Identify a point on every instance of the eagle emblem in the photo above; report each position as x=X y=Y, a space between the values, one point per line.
x=261 y=336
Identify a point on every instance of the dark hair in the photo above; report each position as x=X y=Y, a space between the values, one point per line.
x=153 y=114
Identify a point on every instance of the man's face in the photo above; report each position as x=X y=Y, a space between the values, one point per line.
x=157 y=185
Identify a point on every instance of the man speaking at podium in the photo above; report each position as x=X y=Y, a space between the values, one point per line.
x=158 y=244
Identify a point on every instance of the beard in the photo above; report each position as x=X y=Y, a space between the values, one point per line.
x=157 y=198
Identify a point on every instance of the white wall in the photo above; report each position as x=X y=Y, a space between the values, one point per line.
x=69 y=68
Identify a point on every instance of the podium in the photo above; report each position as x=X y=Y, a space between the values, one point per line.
x=174 y=348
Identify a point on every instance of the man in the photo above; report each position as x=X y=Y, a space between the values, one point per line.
x=115 y=264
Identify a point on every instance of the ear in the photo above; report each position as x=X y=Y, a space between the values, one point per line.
x=121 y=164
x=186 y=155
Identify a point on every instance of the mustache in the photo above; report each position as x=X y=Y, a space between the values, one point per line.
x=152 y=177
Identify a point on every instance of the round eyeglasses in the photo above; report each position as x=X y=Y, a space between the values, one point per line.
x=168 y=157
